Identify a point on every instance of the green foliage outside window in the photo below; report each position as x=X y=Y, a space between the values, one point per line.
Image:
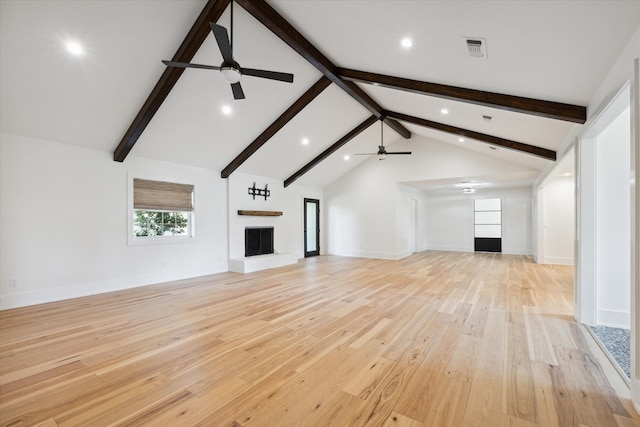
x=160 y=223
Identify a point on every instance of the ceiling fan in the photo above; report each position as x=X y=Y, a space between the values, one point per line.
x=382 y=152
x=231 y=71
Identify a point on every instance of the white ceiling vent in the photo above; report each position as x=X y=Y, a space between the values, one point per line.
x=476 y=47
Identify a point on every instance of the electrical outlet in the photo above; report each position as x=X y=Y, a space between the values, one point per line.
x=13 y=283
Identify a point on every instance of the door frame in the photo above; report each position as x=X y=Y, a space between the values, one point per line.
x=308 y=253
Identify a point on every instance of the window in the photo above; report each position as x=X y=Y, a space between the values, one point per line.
x=487 y=225
x=162 y=209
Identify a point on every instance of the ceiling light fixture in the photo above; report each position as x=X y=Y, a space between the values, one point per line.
x=347 y=157
x=467 y=188
x=230 y=74
x=226 y=110
x=406 y=42
x=444 y=111
x=460 y=139
x=74 y=48
x=305 y=141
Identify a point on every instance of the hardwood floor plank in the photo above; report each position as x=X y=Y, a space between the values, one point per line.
x=484 y=405
x=435 y=339
x=519 y=388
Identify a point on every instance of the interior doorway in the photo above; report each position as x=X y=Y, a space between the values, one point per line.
x=311 y=227
x=603 y=268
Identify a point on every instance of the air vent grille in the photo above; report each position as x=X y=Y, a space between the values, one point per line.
x=477 y=47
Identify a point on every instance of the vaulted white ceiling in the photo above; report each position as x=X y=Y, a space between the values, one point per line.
x=552 y=50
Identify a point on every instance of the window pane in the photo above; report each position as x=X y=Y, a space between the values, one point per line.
x=312 y=245
x=487 y=204
x=160 y=223
x=491 y=217
x=488 y=231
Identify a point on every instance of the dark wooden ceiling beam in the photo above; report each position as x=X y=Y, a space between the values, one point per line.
x=490 y=139
x=278 y=124
x=536 y=107
x=190 y=45
x=326 y=153
x=272 y=20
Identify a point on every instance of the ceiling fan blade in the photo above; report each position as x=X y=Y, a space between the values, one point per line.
x=238 y=93
x=222 y=37
x=189 y=65
x=271 y=75
x=398 y=152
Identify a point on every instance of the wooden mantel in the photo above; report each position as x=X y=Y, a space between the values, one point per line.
x=260 y=213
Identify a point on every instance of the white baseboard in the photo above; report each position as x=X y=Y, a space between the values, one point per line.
x=451 y=248
x=635 y=393
x=515 y=251
x=506 y=251
x=613 y=318
x=371 y=254
x=78 y=290
x=556 y=260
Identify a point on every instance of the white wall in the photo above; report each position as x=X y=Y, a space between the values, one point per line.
x=63 y=222
x=407 y=236
x=368 y=212
x=557 y=210
x=288 y=228
x=450 y=220
x=613 y=226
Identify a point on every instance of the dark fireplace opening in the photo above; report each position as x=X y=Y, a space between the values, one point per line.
x=258 y=241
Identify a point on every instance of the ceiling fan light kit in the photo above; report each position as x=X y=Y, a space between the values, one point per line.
x=230 y=74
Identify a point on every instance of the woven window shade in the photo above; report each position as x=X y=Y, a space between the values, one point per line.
x=164 y=196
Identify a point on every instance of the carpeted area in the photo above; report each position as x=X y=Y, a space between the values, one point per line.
x=617 y=343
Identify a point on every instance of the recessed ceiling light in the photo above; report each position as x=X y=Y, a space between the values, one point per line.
x=226 y=110
x=460 y=139
x=305 y=141
x=74 y=47
x=347 y=157
x=444 y=111
x=406 y=42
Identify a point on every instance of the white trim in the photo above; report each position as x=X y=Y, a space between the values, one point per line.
x=372 y=254
x=635 y=235
x=78 y=290
x=556 y=260
x=613 y=318
x=451 y=248
x=515 y=251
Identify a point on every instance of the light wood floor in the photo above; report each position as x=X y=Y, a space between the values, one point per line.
x=437 y=339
